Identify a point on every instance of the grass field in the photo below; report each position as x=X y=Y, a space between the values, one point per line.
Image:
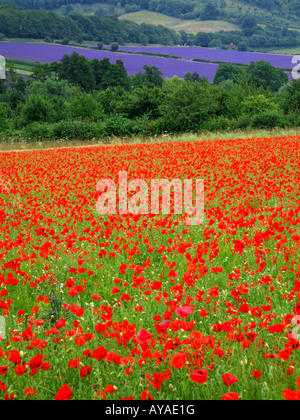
x=21 y=67
x=189 y=26
x=288 y=51
x=22 y=144
x=109 y=306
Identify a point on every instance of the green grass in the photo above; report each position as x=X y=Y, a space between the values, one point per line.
x=288 y=51
x=19 y=143
x=21 y=66
x=189 y=26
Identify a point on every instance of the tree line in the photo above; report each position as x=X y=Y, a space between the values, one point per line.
x=43 y=24
x=81 y=99
x=177 y=8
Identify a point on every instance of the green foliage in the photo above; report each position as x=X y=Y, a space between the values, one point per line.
x=290 y=97
x=41 y=24
x=151 y=77
x=50 y=88
x=187 y=105
x=268 y=119
x=77 y=70
x=227 y=71
x=5 y=113
x=266 y=76
x=114 y=47
x=253 y=105
x=260 y=75
x=37 y=108
x=78 y=99
x=83 y=106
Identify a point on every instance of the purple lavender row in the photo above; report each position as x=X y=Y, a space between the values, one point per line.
x=47 y=53
x=236 y=57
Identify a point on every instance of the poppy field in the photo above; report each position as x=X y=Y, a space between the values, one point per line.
x=111 y=307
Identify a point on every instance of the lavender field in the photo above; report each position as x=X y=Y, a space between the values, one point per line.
x=47 y=53
x=237 y=57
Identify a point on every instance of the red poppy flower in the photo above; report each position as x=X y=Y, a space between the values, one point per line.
x=229 y=379
x=99 y=354
x=178 y=360
x=143 y=335
x=184 y=312
x=289 y=395
x=30 y=391
x=231 y=396
x=110 y=389
x=36 y=362
x=64 y=394
x=85 y=371
x=199 y=376
x=3 y=370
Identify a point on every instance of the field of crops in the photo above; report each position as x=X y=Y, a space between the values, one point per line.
x=47 y=53
x=189 y=26
x=210 y=54
x=141 y=307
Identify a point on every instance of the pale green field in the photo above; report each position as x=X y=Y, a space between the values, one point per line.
x=189 y=26
x=289 y=51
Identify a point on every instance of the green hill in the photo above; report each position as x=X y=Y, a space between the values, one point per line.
x=260 y=25
x=188 y=25
x=279 y=12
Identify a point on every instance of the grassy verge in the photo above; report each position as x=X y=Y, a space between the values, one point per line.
x=19 y=143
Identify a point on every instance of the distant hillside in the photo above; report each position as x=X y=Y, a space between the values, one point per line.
x=188 y=25
x=246 y=25
x=281 y=12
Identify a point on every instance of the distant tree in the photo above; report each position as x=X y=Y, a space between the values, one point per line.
x=192 y=77
x=290 y=97
x=227 y=71
x=79 y=39
x=151 y=77
x=5 y=113
x=37 y=109
x=253 y=105
x=186 y=106
x=210 y=12
x=265 y=76
x=216 y=43
x=82 y=106
x=143 y=39
x=77 y=70
x=202 y=39
x=243 y=46
x=248 y=22
x=114 y=47
x=109 y=75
